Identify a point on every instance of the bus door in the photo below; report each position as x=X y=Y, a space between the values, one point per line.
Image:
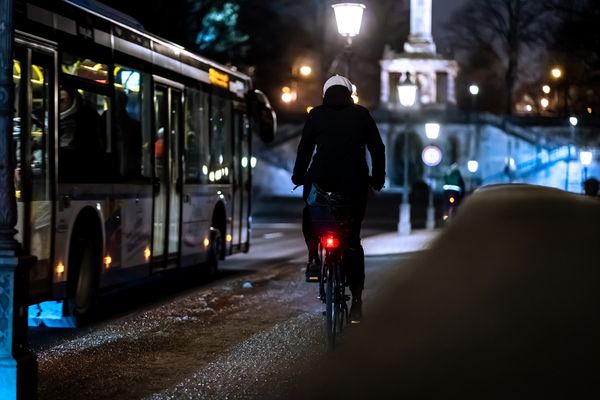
x=242 y=174
x=167 y=175
x=33 y=133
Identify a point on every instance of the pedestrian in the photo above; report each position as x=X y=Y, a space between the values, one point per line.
x=341 y=131
x=591 y=187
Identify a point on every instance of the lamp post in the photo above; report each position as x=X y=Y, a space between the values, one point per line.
x=18 y=368
x=573 y=121
x=472 y=167
x=586 y=157
x=431 y=156
x=348 y=17
x=407 y=94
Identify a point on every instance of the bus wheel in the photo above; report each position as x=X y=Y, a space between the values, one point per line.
x=216 y=244
x=85 y=286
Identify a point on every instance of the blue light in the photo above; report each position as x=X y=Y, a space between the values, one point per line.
x=50 y=314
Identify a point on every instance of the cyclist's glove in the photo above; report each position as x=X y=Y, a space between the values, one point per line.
x=376 y=184
x=298 y=180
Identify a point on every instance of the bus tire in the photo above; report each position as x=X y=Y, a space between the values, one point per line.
x=84 y=284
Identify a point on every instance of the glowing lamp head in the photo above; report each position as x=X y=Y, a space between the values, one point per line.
x=107 y=261
x=407 y=92
x=305 y=70
x=60 y=268
x=348 y=17
x=330 y=242
x=586 y=157
x=573 y=121
x=147 y=253
x=474 y=90
x=452 y=200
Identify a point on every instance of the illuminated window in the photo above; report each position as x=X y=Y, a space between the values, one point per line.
x=85 y=68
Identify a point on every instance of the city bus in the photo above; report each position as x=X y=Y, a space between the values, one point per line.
x=133 y=155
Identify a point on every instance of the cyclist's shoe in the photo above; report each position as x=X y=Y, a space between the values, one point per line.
x=313 y=271
x=355 y=312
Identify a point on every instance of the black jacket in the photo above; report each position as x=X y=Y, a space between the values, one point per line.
x=340 y=130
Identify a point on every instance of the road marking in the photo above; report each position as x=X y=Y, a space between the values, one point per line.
x=273 y=235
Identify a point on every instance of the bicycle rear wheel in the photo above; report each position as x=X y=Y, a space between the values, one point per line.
x=331 y=308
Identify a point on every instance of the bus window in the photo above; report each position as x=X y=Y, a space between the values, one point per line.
x=17 y=128
x=220 y=140
x=130 y=121
x=84 y=134
x=39 y=132
x=196 y=137
x=85 y=68
x=41 y=208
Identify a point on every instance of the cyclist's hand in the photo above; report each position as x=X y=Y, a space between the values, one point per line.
x=298 y=180
x=376 y=184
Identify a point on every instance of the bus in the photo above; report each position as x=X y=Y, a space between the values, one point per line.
x=133 y=155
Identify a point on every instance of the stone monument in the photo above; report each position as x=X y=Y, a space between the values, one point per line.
x=431 y=72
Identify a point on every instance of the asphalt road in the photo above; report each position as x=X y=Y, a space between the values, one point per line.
x=247 y=333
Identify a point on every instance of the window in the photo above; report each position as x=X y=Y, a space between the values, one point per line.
x=131 y=131
x=84 y=134
x=17 y=128
x=220 y=140
x=85 y=68
x=196 y=137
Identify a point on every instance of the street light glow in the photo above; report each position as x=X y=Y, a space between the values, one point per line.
x=556 y=72
x=472 y=166
x=573 y=121
x=474 y=90
x=286 y=97
x=528 y=108
x=586 y=157
x=546 y=89
x=305 y=70
x=544 y=102
x=349 y=18
x=432 y=130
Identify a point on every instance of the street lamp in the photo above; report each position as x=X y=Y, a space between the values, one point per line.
x=573 y=122
x=474 y=90
x=431 y=156
x=586 y=157
x=472 y=167
x=348 y=17
x=432 y=130
x=546 y=89
x=407 y=94
x=556 y=72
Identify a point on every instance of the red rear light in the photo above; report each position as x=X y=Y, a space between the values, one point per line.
x=330 y=242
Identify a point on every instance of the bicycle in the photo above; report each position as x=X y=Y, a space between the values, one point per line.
x=330 y=221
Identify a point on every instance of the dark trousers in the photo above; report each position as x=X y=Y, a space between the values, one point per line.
x=354 y=255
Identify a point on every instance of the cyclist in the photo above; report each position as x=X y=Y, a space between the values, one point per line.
x=340 y=130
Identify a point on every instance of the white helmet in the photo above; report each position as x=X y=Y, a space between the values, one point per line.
x=337 y=80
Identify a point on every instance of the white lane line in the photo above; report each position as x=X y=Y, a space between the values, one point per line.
x=273 y=235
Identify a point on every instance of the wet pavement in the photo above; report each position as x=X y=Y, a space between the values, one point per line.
x=246 y=334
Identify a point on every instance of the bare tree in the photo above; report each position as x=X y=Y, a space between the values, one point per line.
x=508 y=31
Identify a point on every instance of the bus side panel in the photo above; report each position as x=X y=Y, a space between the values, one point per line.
x=128 y=224
x=195 y=232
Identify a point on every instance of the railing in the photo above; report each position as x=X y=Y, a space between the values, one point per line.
x=542 y=161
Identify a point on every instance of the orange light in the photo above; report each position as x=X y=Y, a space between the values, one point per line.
x=147 y=253
x=107 y=261
x=206 y=242
x=451 y=199
x=60 y=268
x=330 y=242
